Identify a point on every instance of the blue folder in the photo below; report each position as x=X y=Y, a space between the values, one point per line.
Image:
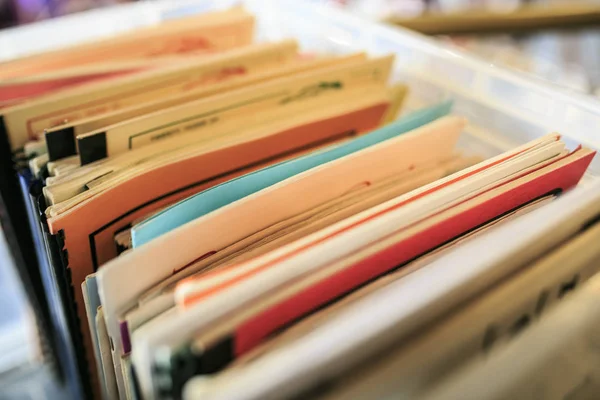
x=218 y=196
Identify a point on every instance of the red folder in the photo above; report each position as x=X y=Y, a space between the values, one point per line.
x=254 y=330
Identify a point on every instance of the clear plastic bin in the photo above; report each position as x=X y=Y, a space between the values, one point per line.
x=504 y=108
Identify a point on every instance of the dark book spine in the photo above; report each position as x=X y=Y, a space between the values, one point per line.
x=13 y=221
x=61 y=144
x=171 y=372
x=92 y=148
x=58 y=258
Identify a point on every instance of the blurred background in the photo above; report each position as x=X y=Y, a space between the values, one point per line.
x=555 y=40
x=17 y=12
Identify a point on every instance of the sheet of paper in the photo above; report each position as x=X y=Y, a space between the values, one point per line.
x=563 y=174
x=87 y=181
x=89 y=228
x=482 y=325
x=459 y=276
x=204 y=33
x=560 y=362
x=324 y=183
x=154 y=273
x=208 y=113
x=87 y=125
x=25 y=121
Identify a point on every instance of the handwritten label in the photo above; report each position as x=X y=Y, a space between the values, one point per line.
x=217 y=76
x=312 y=91
x=181 y=46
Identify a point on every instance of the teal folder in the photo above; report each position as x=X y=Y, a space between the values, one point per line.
x=218 y=196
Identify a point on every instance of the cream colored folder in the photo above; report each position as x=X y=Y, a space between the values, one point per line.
x=25 y=121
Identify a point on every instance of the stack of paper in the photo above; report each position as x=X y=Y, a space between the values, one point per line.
x=230 y=219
